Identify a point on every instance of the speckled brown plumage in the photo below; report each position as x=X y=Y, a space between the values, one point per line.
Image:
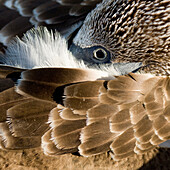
x=132 y=31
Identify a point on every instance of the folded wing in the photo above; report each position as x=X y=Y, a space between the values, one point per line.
x=127 y=115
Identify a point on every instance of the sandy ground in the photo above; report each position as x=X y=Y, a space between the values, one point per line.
x=35 y=160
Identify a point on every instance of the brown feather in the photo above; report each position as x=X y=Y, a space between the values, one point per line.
x=80 y=103
x=68 y=114
x=9 y=98
x=124 y=97
x=9 y=72
x=155 y=140
x=59 y=75
x=146 y=137
x=123 y=138
x=166 y=112
x=141 y=128
x=144 y=146
x=40 y=90
x=96 y=138
x=167 y=88
x=107 y=100
x=129 y=146
x=50 y=148
x=5 y=84
x=14 y=28
x=86 y=89
x=101 y=111
x=10 y=142
x=29 y=118
x=25 y=8
x=6 y=15
x=137 y=112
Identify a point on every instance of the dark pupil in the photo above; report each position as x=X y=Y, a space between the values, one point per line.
x=100 y=54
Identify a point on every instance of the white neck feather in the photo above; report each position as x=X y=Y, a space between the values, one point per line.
x=40 y=48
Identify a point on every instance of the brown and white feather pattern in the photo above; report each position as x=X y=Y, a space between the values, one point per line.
x=89 y=111
x=127 y=115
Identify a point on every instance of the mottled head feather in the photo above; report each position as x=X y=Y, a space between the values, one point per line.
x=133 y=31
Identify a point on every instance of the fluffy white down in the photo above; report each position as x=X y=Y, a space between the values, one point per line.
x=40 y=48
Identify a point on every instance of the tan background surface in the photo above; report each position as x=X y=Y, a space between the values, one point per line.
x=35 y=160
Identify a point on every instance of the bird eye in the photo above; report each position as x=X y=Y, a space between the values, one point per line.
x=99 y=54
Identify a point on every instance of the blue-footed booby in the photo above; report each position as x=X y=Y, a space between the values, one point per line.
x=98 y=74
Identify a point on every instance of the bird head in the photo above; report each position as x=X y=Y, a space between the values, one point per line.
x=126 y=31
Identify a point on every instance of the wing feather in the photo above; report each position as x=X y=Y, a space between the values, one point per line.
x=15 y=143
x=14 y=28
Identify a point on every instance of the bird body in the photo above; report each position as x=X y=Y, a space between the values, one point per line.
x=111 y=93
